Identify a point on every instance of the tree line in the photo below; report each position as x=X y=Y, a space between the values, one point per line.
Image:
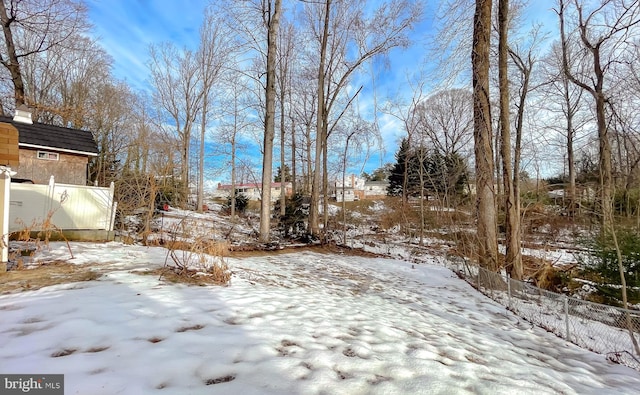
x=288 y=76
x=259 y=67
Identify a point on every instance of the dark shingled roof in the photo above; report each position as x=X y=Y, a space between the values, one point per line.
x=55 y=138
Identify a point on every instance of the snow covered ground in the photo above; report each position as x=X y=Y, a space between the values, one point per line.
x=297 y=323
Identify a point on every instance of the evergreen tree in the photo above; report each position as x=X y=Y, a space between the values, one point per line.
x=287 y=174
x=397 y=174
x=445 y=174
x=441 y=173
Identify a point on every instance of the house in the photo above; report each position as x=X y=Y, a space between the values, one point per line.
x=346 y=194
x=253 y=191
x=374 y=190
x=353 y=189
x=39 y=154
x=356 y=188
x=47 y=150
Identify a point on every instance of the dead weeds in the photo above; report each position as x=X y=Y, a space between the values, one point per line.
x=220 y=276
x=51 y=273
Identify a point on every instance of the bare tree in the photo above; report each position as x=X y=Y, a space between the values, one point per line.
x=355 y=135
x=412 y=117
x=176 y=78
x=513 y=257
x=139 y=150
x=215 y=48
x=347 y=38
x=304 y=106
x=446 y=118
x=568 y=105
x=235 y=120
x=286 y=50
x=271 y=16
x=62 y=84
x=605 y=33
x=485 y=199
x=446 y=123
x=34 y=26
x=110 y=121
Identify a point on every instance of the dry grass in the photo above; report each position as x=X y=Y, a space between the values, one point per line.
x=217 y=275
x=393 y=215
x=45 y=275
x=201 y=245
x=38 y=234
x=198 y=261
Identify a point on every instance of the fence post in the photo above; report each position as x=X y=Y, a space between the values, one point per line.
x=566 y=316
x=50 y=196
x=508 y=291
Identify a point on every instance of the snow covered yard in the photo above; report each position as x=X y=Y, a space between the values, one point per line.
x=296 y=323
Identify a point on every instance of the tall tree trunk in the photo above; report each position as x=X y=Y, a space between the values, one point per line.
x=594 y=43
x=570 y=112
x=203 y=126
x=606 y=183
x=325 y=178
x=513 y=258
x=233 y=156
x=309 y=176
x=283 y=173
x=485 y=199
x=11 y=63
x=320 y=128
x=269 y=120
x=421 y=163
x=344 y=201
x=233 y=175
x=184 y=170
x=526 y=72
x=294 y=174
x=570 y=154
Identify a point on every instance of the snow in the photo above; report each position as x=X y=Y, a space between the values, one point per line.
x=296 y=323
x=557 y=256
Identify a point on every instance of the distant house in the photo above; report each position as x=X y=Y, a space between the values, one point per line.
x=375 y=189
x=253 y=191
x=353 y=189
x=46 y=150
x=356 y=188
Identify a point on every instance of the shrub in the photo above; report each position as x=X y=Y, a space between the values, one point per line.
x=602 y=257
x=197 y=260
x=242 y=202
x=294 y=222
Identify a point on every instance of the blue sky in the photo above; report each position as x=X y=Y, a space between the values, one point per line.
x=126 y=28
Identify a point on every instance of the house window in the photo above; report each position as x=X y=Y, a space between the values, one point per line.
x=48 y=155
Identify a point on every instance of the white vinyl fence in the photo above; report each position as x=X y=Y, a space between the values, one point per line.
x=71 y=207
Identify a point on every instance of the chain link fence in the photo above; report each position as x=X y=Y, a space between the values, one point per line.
x=600 y=328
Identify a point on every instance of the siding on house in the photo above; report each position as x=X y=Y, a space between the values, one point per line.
x=375 y=189
x=357 y=188
x=67 y=169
